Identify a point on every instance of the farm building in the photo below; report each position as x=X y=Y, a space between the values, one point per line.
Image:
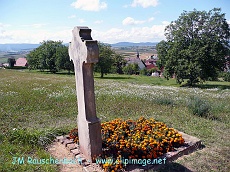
x=136 y=60
x=21 y=62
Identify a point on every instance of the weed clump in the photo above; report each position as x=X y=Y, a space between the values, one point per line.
x=198 y=106
x=164 y=101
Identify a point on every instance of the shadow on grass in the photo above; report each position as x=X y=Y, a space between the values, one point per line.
x=56 y=73
x=113 y=77
x=65 y=73
x=209 y=86
x=168 y=167
x=173 y=167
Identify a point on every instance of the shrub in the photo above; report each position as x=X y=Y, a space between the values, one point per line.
x=227 y=76
x=16 y=67
x=198 y=106
x=144 y=71
x=152 y=70
x=164 y=101
x=131 y=69
x=33 y=138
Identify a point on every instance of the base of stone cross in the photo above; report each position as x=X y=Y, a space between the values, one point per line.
x=191 y=144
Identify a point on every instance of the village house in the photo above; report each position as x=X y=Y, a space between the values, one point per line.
x=136 y=60
x=150 y=62
x=5 y=64
x=21 y=62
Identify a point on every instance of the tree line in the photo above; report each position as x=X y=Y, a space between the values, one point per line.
x=53 y=56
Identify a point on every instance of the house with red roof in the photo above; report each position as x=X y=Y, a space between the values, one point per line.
x=150 y=64
x=21 y=62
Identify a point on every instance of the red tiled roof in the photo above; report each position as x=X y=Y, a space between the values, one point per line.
x=150 y=66
x=21 y=62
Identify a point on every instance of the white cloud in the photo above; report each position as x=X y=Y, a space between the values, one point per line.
x=144 y=3
x=151 y=19
x=165 y=22
x=4 y=25
x=98 y=21
x=228 y=21
x=35 y=25
x=131 y=21
x=72 y=16
x=125 y=6
x=89 y=5
x=34 y=36
x=38 y=25
x=154 y=33
x=4 y=35
x=81 y=20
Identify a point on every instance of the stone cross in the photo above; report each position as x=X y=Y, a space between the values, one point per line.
x=84 y=52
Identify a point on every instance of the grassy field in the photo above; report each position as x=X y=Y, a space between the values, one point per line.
x=35 y=107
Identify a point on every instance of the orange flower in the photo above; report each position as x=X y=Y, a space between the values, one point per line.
x=149 y=156
x=131 y=136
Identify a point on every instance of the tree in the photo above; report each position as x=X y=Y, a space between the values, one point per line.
x=106 y=59
x=44 y=57
x=50 y=54
x=131 y=68
x=136 y=69
x=63 y=60
x=11 y=62
x=36 y=60
x=119 y=63
x=128 y=69
x=144 y=71
x=162 y=48
x=196 y=46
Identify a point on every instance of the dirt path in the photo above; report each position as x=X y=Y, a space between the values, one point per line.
x=58 y=151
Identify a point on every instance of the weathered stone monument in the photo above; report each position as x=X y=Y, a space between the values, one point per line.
x=84 y=52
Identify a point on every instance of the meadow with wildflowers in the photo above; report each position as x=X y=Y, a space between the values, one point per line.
x=37 y=106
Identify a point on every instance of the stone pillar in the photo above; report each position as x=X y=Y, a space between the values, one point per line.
x=84 y=52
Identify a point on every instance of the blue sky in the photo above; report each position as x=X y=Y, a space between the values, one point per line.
x=111 y=21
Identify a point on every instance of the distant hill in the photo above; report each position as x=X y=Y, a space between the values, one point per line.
x=131 y=44
x=26 y=47
x=17 y=47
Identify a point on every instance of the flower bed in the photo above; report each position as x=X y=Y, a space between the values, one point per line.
x=140 y=139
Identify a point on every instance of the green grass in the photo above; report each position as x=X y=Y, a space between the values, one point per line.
x=3 y=60
x=139 y=79
x=36 y=106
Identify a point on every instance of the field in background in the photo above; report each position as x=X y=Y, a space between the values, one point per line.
x=131 y=52
x=4 y=56
x=37 y=106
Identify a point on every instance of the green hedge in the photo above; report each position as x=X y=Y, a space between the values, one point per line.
x=16 y=67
